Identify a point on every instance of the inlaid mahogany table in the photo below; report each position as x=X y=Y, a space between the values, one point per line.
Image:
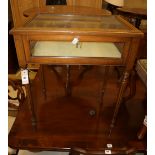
x=73 y=38
x=133 y=13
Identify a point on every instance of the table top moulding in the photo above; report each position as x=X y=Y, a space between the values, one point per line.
x=72 y=24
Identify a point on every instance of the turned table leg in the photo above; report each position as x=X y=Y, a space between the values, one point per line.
x=43 y=80
x=30 y=102
x=68 y=83
x=103 y=87
x=119 y=99
x=31 y=105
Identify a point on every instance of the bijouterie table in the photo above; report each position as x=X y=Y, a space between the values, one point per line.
x=70 y=38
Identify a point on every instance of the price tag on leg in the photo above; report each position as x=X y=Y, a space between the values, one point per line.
x=24 y=76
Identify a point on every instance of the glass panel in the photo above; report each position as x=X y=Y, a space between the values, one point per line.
x=76 y=21
x=81 y=49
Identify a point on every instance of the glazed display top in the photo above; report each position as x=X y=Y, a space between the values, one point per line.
x=72 y=23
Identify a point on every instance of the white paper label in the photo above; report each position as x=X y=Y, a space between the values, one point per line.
x=24 y=76
x=109 y=145
x=75 y=41
x=107 y=151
